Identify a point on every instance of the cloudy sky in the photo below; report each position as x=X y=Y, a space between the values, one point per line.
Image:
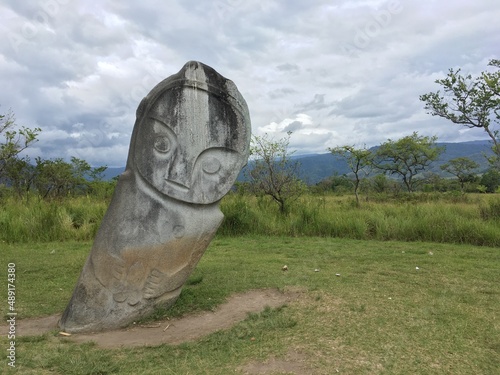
x=334 y=72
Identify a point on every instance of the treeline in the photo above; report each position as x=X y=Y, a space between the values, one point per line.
x=46 y=178
x=394 y=168
x=378 y=184
x=53 y=178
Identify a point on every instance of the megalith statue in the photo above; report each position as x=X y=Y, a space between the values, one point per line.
x=190 y=140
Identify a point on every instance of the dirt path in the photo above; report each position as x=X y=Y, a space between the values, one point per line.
x=172 y=331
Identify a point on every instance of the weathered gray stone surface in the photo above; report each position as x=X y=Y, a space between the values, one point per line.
x=190 y=140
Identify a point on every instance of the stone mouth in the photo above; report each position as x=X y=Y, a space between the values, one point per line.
x=177 y=186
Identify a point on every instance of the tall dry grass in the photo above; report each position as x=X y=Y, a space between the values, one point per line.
x=38 y=220
x=472 y=219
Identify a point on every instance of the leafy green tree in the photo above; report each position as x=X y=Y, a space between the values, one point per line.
x=462 y=168
x=491 y=180
x=470 y=101
x=407 y=157
x=359 y=161
x=88 y=179
x=336 y=183
x=379 y=183
x=54 y=177
x=13 y=140
x=273 y=172
x=84 y=175
x=58 y=178
x=432 y=182
x=20 y=173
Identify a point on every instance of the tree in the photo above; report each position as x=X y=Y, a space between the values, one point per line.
x=472 y=102
x=462 y=168
x=273 y=173
x=434 y=182
x=14 y=142
x=54 y=177
x=57 y=178
x=407 y=157
x=379 y=183
x=335 y=183
x=491 y=180
x=83 y=175
x=19 y=173
x=358 y=160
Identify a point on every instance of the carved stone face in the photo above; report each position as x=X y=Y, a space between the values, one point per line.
x=191 y=143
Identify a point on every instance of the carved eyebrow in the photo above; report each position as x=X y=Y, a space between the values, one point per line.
x=218 y=151
x=166 y=127
x=166 y=130
x=160 y=121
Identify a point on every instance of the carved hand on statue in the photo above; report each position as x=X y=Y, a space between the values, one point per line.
x=132 y=282
x=153 y=283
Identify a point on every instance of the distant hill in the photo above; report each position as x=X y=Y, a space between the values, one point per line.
x=474 y=150
x=317 y=167
x=112 y=172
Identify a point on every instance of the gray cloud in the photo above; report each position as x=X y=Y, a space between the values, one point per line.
x=317 y=103
x=288 y=67
x=281 y=92
x=332 y=72
x=293 y=126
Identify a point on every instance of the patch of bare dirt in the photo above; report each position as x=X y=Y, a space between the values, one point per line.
x=293 y=363
x=172 y=331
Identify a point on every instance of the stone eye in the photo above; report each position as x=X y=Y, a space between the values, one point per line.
x=211 y=165
x=162 y=143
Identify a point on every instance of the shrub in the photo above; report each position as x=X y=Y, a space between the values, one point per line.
x=490 y=210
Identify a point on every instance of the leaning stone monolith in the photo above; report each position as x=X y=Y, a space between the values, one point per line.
x=190 y=140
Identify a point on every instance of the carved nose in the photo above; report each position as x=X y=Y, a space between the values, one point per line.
x=180 y=173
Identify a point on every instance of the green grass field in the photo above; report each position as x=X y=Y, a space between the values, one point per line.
x=382 y=315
